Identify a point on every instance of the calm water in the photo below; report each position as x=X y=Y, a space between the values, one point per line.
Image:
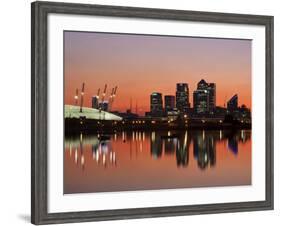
x=136 y=160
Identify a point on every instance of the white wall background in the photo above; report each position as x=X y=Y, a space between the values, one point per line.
x=15 y=110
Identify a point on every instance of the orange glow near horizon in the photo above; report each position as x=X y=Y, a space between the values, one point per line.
x=142 y=64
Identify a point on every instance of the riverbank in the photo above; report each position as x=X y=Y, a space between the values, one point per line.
x=74 y=125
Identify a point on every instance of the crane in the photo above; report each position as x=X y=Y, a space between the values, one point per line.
x=111 y=95
x=82 y=95
x=98 y=97
x=114 y=90
x=111 y=98
x=104 y=93
x=98 y=94
x=76 y=97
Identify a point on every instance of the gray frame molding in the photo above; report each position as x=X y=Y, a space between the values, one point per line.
x=39 y=117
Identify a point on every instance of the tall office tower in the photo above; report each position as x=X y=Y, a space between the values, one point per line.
x=201 y=101
x=212 y=97
x=156 y=104
x=202 y=85
x=169 y=102
x=182 y=97
x=232 y=104
x=210 y=90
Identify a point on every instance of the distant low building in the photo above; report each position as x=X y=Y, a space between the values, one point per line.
x=95 y=102
x=245 y=114
x=220 y=112
x=242 y=114
x=104 y=105
x=173 y=114
x=126 y=115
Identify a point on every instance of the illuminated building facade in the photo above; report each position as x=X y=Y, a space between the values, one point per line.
x=182 y=97
x=156 y=104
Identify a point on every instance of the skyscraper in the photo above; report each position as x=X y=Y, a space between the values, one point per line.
x=182 y=97
x=201 y=101
x=156 y=104
x=202 y=85
x=212 y=97
x=204 y=98
x=232 y=104
x=169 y=102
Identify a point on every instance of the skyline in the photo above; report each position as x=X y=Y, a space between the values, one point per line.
x=154 y=64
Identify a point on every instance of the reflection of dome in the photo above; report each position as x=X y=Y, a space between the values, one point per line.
x=75 y=141
x=71 y=111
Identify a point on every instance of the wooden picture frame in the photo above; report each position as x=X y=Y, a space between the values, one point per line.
x=39 y=109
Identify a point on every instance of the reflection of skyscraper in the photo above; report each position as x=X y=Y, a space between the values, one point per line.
x=233 y=144
x=169 y=102
x=155 y=145
x=204 y=98
x=182 y=151
x=95 y=102
x=170 y=145
x=232 y=104
x=156 y=104
x=204 y=149
x=182 y=97
x=212 y=151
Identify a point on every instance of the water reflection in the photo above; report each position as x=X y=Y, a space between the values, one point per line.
x=140 y=160
x=182 y=149
x=205 y=149
x=105 y=148
x=156 y=145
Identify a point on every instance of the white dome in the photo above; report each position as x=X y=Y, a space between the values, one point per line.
x=71 y=111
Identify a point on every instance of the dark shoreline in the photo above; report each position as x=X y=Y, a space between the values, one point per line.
x=89 y=126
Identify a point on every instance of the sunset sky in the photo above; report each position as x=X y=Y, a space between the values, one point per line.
x=142 y=64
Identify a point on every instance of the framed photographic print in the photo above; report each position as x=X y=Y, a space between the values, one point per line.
x=140 y=112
